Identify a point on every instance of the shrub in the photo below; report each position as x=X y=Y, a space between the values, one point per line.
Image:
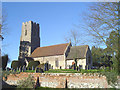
x=5 y=60
x=6 y=73
x=26 y=83
x=111 y=77
x=33 y=64
x=41 y=66
x=16 y=64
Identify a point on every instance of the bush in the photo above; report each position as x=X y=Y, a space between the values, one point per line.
x=111 y=77
x=33 y=64
x=5 y=60
x=6 y=73
x=16 y=64
x=26 y=83
x=41 y=66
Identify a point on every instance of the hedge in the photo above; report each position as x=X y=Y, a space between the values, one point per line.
x=5 y=60
x=33 y=64
x=16 y=64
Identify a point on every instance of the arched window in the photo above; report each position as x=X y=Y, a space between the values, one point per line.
x=25 y=32
x=56 y=62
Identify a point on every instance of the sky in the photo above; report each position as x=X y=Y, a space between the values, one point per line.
x=55 y=20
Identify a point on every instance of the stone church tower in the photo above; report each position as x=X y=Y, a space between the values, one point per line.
x=29 y=40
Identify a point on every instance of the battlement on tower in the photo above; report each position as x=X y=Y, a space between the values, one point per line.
x=29 y=40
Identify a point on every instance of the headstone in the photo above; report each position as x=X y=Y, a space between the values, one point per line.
x=46 y=67
x=23 y=68
x=41 y=70
x=32 y=68
x=77 y=68
x=74 y=67
x=20 y=69
x=60 y=67
x=69 y=67
x=80 y=67
x=37 y=70
x=86 y=67
x=52 y=67
x=17 y=69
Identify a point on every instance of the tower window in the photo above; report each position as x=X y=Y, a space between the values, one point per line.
x=25 y=32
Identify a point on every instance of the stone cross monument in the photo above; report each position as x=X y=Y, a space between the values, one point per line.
x=29 y=40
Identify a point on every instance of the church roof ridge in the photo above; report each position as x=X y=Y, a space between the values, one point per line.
x=50 y=50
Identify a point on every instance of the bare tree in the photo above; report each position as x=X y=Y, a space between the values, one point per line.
x=73 y=37
x=101 y=20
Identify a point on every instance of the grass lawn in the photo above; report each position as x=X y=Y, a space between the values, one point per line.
x=58 y=71
x=68 y=71
x=72 y=71
x=31 y=71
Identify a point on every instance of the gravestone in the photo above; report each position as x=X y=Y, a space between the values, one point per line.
x=41 y=70
x=17 y=69
x=77 y=68
x=69 y=67
x=74 y=67
x=23 y=68
x=20 y=69
x=46 y=67
x=80 y=67
x=86 y=67
x=32 y=67
x=60 y=67
x=52 y=67
x=37 y=70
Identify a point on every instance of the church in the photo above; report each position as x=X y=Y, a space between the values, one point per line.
x=60 y=56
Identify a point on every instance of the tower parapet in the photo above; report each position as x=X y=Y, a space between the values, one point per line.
x=29 y=39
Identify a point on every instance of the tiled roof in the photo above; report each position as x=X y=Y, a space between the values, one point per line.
x=77 y=52
x=50 y=50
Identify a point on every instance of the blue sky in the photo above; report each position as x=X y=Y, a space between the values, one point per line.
x=55 y=19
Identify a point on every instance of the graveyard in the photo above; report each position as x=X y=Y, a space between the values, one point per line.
x=47 y=77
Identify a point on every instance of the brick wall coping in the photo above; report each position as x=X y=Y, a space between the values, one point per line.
x=65 y=74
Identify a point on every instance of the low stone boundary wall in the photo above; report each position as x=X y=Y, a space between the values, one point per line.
x=63 y=80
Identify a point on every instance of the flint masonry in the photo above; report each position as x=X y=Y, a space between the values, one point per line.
x=58 y=56
x=29 y=40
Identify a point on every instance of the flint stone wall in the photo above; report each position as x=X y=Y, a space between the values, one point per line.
x=63 y=80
